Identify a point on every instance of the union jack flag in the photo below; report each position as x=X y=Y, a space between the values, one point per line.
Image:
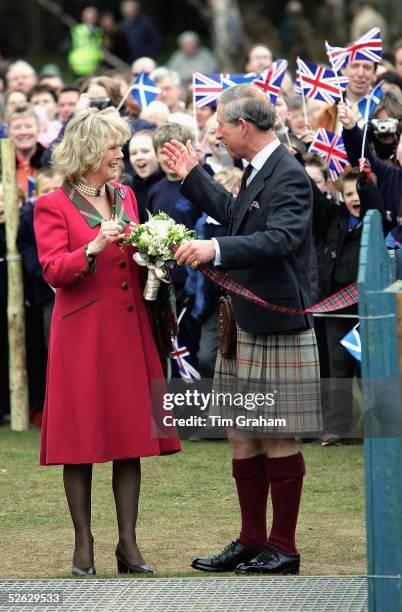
x=318 y=82
x=207 y=87
x=367 y=48
x=144 y=89
x=271 y=79
x=373 y=98
x=330 y=146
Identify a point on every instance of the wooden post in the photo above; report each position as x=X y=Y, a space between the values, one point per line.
x=15 y=307
x=379 y=298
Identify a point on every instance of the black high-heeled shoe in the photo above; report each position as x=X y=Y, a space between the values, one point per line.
x=83 y=571
x=78 y=571
x=123 y=567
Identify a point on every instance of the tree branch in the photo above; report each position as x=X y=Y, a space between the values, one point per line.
x=201 y=8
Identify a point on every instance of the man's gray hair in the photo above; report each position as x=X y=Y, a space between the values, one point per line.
x=161 y=73
x=249 y=103
x=189 y=35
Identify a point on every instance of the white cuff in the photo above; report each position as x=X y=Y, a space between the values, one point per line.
x=218 y=258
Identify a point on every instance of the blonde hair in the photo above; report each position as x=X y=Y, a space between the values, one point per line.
x=230 y=177
x=85 y=141
x=22 y=110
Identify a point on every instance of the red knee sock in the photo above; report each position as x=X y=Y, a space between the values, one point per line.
x=286 y=478
x=252 y=489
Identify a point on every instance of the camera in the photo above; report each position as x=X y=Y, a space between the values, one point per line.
x=384 y=126
x=100 y=103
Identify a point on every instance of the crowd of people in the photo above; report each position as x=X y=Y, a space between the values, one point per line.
x=35 y=109
x=90 y=160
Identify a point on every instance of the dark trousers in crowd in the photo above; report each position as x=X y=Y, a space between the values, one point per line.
x=208 y=346
x=337 y=392
x=36 y=353
x=4 y=381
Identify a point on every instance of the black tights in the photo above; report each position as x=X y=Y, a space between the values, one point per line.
x=126 y=489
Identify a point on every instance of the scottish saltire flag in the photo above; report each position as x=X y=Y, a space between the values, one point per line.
x=330 y=147
x=372 y=99
x=207 y=87
x=144 y=89
x=270 y=80
x=352 y=343
x=367 y=48
x=318 y=82
x=228 y=80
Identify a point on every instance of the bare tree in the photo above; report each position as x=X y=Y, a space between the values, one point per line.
x=225 y=25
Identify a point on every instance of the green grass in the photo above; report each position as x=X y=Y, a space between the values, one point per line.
x=188 y=507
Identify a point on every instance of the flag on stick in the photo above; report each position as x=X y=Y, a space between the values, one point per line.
x=144 y=89
x=368 y=48
x=318 y=82
x=270 y=80
x=330 y=147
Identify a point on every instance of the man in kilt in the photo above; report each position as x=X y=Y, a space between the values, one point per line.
x=267 y=250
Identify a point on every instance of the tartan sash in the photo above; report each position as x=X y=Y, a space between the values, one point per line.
x=343 y=298
x=89 y=212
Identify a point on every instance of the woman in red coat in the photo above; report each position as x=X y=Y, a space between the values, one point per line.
x=102 y=355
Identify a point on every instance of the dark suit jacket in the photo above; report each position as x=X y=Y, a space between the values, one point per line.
x=268 y=248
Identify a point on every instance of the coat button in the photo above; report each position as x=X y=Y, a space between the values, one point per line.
x=130 y=307
x=122 y=264
x=124 y=285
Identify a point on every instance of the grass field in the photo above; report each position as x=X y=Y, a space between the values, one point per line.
x=188 y=507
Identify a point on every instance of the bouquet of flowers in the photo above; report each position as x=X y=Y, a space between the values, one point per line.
x=154 y=240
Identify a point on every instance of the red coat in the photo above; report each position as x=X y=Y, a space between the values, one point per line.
x=102 y=355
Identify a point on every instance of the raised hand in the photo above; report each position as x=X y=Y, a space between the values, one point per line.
x=181 y=158
x=346 y=116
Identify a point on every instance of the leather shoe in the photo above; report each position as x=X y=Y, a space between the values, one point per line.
x=271 y=560
x=79 y=571
x=225 y=561
x=124 y=567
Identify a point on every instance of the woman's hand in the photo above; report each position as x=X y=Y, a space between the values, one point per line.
x=109 y=232
x=180 y=158
x=346 y=116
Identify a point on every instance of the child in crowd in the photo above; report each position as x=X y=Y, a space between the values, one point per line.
x=39 y=297
x=340 y=228
x=146 y=168
x=213 y=156
x=296 y=120
x=317 y=170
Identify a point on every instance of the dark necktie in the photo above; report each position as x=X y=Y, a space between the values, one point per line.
x=243 y=185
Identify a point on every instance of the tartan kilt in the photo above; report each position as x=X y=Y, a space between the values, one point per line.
x=286 y=365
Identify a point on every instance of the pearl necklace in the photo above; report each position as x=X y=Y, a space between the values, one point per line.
x=94 y=192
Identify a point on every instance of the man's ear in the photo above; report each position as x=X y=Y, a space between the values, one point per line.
x=243 y=123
